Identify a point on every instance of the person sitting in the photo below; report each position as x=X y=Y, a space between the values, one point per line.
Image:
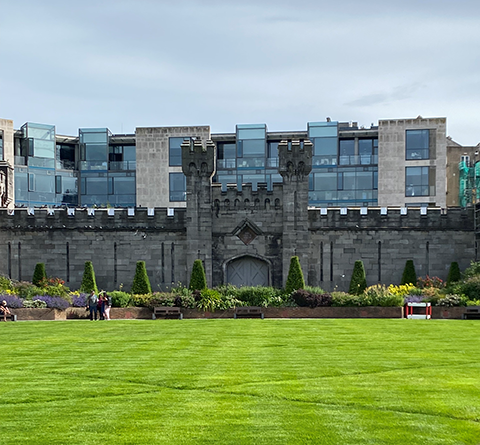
x=4 y=311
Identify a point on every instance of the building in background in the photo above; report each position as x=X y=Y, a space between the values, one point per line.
x=400 y=162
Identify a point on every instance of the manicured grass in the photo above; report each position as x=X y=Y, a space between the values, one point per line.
x=240 y=382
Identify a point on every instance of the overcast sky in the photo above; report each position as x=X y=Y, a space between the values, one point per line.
x=122 y=64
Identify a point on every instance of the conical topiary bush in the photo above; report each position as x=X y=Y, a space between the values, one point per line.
x=358 y=282
x=88 y=281
x=198 y=280
x=39 y=274
x=141 y=283
x=454 y=274
x=409 y=275
x=295 y=278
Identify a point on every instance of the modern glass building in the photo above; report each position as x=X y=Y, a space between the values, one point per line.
x=98 y=168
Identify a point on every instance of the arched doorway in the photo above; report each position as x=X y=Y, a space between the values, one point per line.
x=248 y=271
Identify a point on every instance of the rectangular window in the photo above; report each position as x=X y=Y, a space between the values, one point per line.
x=419 y=181
x=466 y=159
x=178 y=187
x=58 y=184
x=417 y=143
x=347 y=152
x=175 y=150
x=31 y=182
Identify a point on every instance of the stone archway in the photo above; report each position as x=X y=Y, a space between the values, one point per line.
x=248 y=271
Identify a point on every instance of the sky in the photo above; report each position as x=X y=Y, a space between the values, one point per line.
x=124 y=64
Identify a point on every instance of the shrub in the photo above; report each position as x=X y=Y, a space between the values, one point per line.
x=120 y=299
x=471 y=287
x=428 y=282
x=141 y=300
x=24 y=289
x=304 y=298
x=402 y=290
x=53 y=302
x=256 y=296
x=36 y=303
x=454 y=274
x=88 y=281
x=342 y=299
x=163 y=299
x=452 y=300
x=39 y=274
x=5 y=284
x=198 y=280
x=379 y=295
x=79 y=300
x=209 y=300
x=409 y=275
x=295 y=278
x=54 y=287
x=358 y=282
x=472 y=271
x=141 y=283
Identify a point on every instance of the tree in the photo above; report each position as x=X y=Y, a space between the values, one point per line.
x=141 y=283
x=198 y=280
x=409 y=275
x=39 y=274
x=358 y=282
x=454 y=274
x=295 y=278
x=88 y=280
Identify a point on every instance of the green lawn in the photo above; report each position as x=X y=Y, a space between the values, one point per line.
x=240 y=382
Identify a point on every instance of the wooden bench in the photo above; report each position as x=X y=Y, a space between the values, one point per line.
x=472 y=313
x=12 y=317
x=248 y=312
x=167 y=312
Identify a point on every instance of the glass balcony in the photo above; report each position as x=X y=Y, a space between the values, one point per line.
x=93 y=165
x=226 y=163
x=272 y=162
x=122 y=165
x=20 y=160
x=324 y=160
x=358 y=160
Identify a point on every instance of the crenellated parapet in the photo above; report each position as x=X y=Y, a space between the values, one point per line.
x=248 y=198
x=198 y=159
x=295 y=160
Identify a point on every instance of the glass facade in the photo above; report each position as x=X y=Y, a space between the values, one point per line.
x=417 y=143
x=344 y=169
x=178 y=187
x=419 y=181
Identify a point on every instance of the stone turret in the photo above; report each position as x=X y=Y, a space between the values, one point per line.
x=198 y=165
x=295 y=164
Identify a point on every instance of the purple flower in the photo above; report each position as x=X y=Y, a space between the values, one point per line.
x=79 y=300
x=413 y=299
x=53 y=302
x=13 y=301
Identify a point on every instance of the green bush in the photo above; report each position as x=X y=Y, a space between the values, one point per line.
x=210 y=300
x=141 y=300
x=198 y=280
x=358 y=282
x=452 y=300
x=470 y=287
x=295 y=278
x=27 y=290
x=409 y=275
x=88 y=281
x=120 y=299
x=472 y=271
x=259 y=296
x=379 y=295
x=342 y=299
x=141 y=283
x=454 y=274
x=5 y=284
x=39 y=274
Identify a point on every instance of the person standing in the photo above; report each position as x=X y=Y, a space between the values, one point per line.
x=4 y=310
x=92 y=301
x=108 y=305
x=101 y=305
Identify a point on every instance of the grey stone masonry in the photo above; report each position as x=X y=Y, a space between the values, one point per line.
x=295 y=164
x=198 y=165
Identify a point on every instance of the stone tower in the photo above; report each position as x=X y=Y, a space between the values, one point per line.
x=198 y=165
x=295 y=164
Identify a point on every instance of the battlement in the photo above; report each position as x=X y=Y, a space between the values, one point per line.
x=261 y=198
x=391 y=218
x=45 y=219
x=198 y=159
